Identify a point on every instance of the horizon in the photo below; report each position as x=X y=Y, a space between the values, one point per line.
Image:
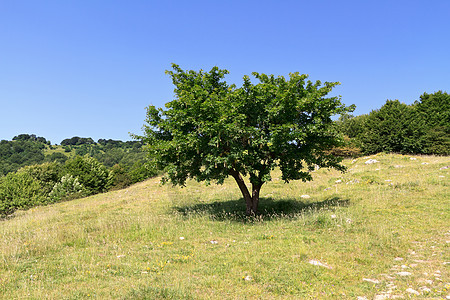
x=77 y=68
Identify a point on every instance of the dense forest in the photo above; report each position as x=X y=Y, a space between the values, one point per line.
x=35 y=172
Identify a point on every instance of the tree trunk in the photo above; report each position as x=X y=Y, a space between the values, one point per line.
x=251 y=201
x=255 y=197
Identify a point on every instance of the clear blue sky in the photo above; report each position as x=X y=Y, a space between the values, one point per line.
x=89 y=68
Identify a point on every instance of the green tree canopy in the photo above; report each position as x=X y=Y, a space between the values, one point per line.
x=433 y=110
x=392 y=128
x=212 y=130
x=94 y=176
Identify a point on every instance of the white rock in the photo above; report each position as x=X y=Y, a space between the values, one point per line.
x=318 y=263
x=412 y=291
x=425 y=289
x=391 y=286
x=375 y=281
x=371 y=161
x=181 y=238
x=305 y=196
x=338 y=181
x=404 y=273
x=214 y=242
x=413 y=158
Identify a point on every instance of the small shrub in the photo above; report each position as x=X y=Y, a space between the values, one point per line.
x=47 y=174
x=66 y=189
x=120 y=178
x=350 y=151
x=90 y=173
x=56 y=157
x=141 y=171
x=19 y=190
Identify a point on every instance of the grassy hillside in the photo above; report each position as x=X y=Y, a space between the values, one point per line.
x=379 y=229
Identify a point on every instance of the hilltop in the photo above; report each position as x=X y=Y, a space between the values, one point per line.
x=378 y=230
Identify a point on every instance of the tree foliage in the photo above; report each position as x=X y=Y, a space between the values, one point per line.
x=433 y=110
x=212 y=130
x=420 y=128
x=67 y=188
x=94 y=176
x=77 y=141
x=392 y=128
x=19 y=190
x=46 y=174
x=18 y=153
x=110 y=165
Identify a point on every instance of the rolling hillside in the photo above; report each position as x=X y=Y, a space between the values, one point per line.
x=379 y=230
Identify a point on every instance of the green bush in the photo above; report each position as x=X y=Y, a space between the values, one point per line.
x=56 y=157
x=142 y=170
x=392 y=128
x=19 y=190
x=433 y=110
x=437 y=141
x=90 y=173
x=422 y=127
x=66 y=189
x=120 y=177
x=47 y=174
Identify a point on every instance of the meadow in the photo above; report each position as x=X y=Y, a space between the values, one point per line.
x=378 y=231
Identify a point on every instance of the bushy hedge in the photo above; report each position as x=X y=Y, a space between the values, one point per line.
x=94 y=176
x=66 y=189
x=420 y=128
x=44 y=183
x=18 y=191
x=34 y=179
x=46 y=174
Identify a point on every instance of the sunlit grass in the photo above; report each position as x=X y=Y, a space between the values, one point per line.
x=152 y=242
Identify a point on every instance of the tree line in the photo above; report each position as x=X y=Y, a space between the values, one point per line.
x=33 y=172
x=420 y=128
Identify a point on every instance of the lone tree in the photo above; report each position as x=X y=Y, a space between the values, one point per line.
x=212 y=130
